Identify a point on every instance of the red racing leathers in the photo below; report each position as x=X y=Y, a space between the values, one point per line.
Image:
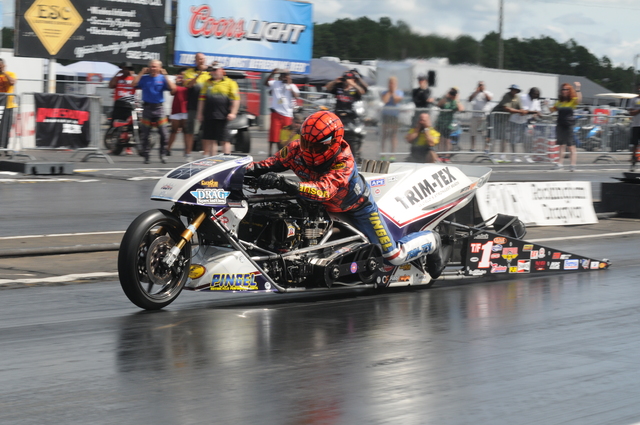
x=338 y=187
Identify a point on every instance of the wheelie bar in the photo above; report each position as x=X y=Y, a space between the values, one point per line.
x=184 y=237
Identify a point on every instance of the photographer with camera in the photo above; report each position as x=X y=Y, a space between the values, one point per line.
x=348 y=89
x=423 y=139
x=283 y=91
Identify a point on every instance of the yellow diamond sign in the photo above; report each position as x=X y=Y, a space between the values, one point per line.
x=53 y=21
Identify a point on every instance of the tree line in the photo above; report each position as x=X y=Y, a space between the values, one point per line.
x=362 y=39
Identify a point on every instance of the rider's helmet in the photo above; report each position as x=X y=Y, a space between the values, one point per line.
x=321 y=135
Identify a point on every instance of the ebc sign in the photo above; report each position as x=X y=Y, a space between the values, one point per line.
x=257 y=35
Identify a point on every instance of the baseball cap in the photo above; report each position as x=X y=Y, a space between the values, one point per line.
x=514 y=87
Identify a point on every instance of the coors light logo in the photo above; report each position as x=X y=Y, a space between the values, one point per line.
x=202 y=24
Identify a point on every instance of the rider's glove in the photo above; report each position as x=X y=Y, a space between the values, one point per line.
x=274 y=181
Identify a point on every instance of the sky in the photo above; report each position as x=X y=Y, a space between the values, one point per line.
x=605 y=27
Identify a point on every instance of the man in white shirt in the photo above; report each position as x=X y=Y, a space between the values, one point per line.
x=531 y=103
x=283 y=91
x=479 y=100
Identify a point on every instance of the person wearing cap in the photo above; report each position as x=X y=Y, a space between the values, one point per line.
x=153 y=82
x=421 y=96
x=123 y=94
x=7 y=84
x=449 y=104
x=283 y=91
x=479 y=100
x=510 y=104
x=194 y=79
x=218 y=104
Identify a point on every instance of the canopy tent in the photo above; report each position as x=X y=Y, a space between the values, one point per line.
x=83 y=68
x=322 y=71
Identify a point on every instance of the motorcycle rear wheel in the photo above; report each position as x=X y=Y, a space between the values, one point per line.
x=144 y=278
x=112 y=140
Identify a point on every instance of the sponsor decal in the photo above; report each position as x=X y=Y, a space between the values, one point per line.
x=555 y=265
x=595 y=265
x=475 y=247
x=284 y=152
x=314 y=191
x=585 y=263
x=338 y=166
x=524 y=266
x=603 y=265
x=427 y=188
x=404 y=278
x=540 y=266
x=495 y=255
x=496 y=248
x=377 y=191
x=354 y=267
x=477 y=272
x=347 y=249
x=224 y=220
x=474 y=259
x=527 y=247
x=481 y=236
x=565 y=256
x=209 y=183
x=210 y=196
x=541 y=253
x=497 y=268
x=291 y=231
x=383 y=238
x=509 y=253
x=500 y=240
x=388 y=268
x=166 y=187
x=233 y=282
x=571 y=264
x=513 y=269
x=555 y=256
x=533 y=255
x=377 y=182
x=405 y=267
x=267 y=285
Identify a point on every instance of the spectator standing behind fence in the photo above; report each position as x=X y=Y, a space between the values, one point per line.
x=530 y=103
x=153 y=82
x=218 y=104
x=194 y=78
x=449 y=105
x=391 y=99
x=7 y=84
x=178 y=117
x=423 y=139
x=479 y=100
x=283 y=91
x=421 y=97
x=634 y=111
x=568 y=99
x=123 y=95
x=510 y=103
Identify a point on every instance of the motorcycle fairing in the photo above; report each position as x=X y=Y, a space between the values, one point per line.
x=211 y=182
x=489 y=253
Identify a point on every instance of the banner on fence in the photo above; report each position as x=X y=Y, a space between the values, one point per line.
x=255 y=35
x=539 y=203
x=62 y=120
x=92 y=30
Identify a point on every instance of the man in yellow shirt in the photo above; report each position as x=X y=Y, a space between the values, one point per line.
x=7 y=83
x=194 y=79
x=218 y=104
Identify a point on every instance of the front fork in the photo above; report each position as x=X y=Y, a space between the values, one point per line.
x=184 y=238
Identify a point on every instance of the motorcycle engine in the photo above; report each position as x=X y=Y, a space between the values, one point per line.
x=284 y=226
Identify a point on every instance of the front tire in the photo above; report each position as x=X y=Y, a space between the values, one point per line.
x=145 y=279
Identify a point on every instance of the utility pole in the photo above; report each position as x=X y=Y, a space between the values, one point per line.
x=500 y=46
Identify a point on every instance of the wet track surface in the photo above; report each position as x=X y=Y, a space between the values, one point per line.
x=560 y=349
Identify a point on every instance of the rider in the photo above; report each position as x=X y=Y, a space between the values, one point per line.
x=323 y=161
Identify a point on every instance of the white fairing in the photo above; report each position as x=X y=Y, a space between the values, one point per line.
x=220 y=262
x=411 y=192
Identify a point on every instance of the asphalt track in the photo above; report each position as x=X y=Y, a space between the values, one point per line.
x=557 y=349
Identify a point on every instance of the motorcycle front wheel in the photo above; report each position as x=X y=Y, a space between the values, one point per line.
x=145 y=279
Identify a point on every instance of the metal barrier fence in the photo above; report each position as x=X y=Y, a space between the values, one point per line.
x=499 y=137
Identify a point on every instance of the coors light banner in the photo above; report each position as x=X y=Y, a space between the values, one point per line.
x=91 y=30
x=254 y=35
x=62 y=120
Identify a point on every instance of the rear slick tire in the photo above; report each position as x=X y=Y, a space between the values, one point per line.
x=144 y=278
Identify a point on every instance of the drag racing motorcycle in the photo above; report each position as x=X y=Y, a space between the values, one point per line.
x=224 y=234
